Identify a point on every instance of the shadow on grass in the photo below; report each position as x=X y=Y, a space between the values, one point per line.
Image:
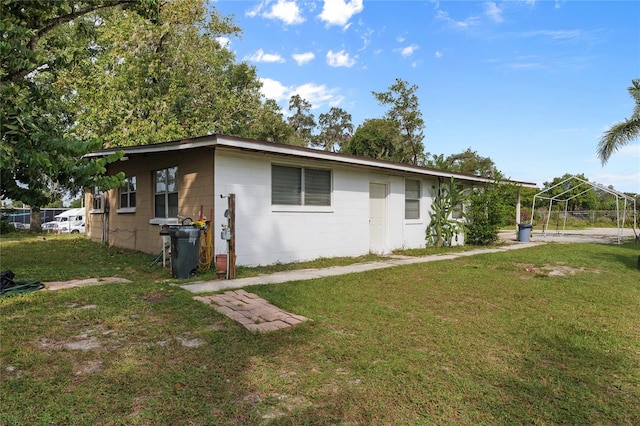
x=571 y=379
x=154 y=356
x=627 y=254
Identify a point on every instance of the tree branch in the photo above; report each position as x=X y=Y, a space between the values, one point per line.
x=52 y=23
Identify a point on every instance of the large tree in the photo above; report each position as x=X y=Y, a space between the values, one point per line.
x=623 y=132
x=39 y=41
x=301 y=120
x=467 y=161
x=404 y=108
x=153 y=83
x=378 y=138
x=335 y=129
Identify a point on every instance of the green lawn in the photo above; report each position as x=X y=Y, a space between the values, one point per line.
x=486 y=339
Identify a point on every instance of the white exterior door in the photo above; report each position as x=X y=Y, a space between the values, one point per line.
x=377 y=217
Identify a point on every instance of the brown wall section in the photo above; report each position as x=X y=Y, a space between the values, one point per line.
x=133 y=230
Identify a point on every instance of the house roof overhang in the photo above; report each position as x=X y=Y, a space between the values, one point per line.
x=242 y=144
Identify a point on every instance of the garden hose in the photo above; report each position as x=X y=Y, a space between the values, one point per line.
x=21 y=287
x=206 y=248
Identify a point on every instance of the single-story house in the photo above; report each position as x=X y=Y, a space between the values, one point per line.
x=291 y=203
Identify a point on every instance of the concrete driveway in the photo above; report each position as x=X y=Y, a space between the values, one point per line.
x=588 y=235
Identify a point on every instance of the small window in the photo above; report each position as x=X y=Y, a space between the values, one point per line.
x=458 y=209
x=166 y=192
x=97 y=203
x=297 y=186
x=128 y=193
x=411 y=199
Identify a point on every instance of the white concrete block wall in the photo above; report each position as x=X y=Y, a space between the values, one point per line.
x=267 y=234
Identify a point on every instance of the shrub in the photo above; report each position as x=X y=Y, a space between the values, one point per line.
x=485 y=213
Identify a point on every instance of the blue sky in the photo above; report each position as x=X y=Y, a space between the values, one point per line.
x=532 y=84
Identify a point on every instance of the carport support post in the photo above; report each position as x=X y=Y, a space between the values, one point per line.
x=231 y=269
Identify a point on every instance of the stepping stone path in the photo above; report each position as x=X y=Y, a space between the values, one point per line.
x=252 y=311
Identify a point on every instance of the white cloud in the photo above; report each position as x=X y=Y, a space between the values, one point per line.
x=555 y=34
x=629 y=150
x=318 y=95
x=439 y=54
x=366 y=38
x=624 y=182
x=408 y=50
x=493 y=11
x=303 y=58
x=339 y=12
x=260 y=56
x=283 y=10
x=252 y=13
x=224 y=41
x=467 y=23
x=273 y=89
x=622 y=170
x=340 y=59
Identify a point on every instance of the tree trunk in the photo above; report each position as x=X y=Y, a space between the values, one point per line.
x=35 y=220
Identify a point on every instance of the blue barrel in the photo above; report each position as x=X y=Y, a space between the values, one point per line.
x=524 y=232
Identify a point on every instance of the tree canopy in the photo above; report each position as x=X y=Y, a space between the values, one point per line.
x=301 y=120
x=335 y=129
x=378 y=138
x=40 y=40
x=404 y=108
x=467 y=162
x=152 y=83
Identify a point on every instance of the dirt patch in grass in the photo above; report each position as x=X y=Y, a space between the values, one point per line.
x=526 y=270
x=154 y=297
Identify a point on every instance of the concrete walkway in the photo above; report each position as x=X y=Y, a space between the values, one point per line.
x=310 y=274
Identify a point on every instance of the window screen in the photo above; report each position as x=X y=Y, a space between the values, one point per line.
x=297 y=186
x=412 y=199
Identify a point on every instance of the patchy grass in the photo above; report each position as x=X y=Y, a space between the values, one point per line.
x=486 y=339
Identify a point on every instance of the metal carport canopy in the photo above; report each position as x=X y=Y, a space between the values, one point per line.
x=593 y=185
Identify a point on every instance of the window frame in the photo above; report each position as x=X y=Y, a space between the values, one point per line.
x=166 y=193
x=97 y=201
x=128 y=190
x=408 y=198
x=302 y=191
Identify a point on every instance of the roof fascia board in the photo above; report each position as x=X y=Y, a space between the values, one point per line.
x=161 y=147
x=282 y=149
x=275 y=148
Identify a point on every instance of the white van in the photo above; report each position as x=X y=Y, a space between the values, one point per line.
x=68 y=221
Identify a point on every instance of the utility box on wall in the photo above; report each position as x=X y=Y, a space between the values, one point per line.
x=226 y=233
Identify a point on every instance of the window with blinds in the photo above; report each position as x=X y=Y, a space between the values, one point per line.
x=411 y=199
x=298 y=186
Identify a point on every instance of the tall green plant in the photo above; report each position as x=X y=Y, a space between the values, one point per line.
x=443 y=228
x=486 y=211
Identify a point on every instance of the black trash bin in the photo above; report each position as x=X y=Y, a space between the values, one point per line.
x=524 y=232
x=185 y=250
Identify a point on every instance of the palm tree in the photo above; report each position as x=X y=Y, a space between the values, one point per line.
x=623 y=132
